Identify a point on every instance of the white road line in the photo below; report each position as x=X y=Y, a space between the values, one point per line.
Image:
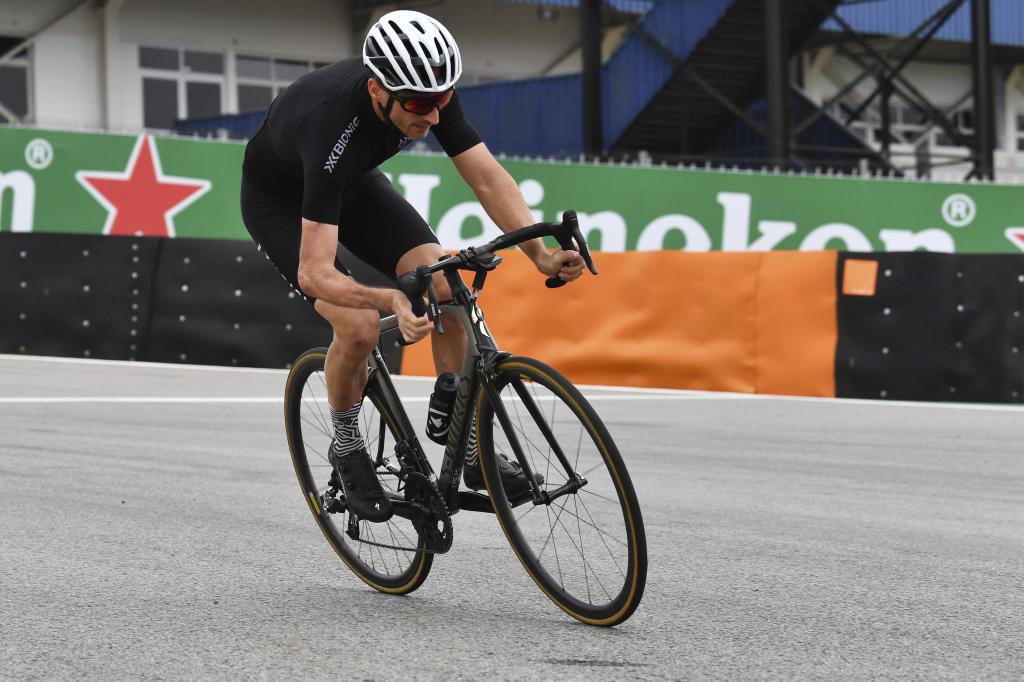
x=132 y=399
x=136 y=364
x=39 y=400
x=236 y=399
x=620 y=392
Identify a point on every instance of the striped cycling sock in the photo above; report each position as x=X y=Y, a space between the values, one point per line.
x=347 y=438
x=472 y=453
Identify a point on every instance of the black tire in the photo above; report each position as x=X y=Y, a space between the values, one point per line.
x=585 y=550
x=308 y=424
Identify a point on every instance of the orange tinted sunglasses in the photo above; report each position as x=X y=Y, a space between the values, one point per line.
x=424 y=104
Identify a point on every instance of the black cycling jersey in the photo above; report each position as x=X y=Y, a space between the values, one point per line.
x=322 y=133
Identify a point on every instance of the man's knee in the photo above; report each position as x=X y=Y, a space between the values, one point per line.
x=354 y=328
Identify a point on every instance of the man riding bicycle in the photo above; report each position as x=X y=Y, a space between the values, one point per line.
x=310 y=181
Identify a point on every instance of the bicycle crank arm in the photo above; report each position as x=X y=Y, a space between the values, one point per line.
x=407 y=510
x=478 y=502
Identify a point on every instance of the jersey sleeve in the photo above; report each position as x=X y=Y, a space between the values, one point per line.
x=454 y=131
x=321 y=194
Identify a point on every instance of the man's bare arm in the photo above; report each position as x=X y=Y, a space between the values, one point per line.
x=500 y=197
x=319 y=278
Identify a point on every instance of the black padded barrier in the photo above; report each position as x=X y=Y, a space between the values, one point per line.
x=195 y=301
x=75 y=295
x=938 y=327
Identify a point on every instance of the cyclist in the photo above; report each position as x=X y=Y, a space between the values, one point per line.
x=310 y=181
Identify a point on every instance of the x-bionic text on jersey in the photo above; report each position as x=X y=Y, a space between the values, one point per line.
x=339 y=146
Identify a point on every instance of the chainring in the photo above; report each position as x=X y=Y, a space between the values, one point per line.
x=435 y=524
x=430 y=513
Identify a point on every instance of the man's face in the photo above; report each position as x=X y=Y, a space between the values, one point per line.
x=413 y=126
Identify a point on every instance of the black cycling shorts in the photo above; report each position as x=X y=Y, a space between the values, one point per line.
x=376 y=224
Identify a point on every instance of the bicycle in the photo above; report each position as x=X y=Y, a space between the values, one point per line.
x=524 y=409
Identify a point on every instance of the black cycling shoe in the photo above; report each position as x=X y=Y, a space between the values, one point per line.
x=364 y=495
x=513 y=478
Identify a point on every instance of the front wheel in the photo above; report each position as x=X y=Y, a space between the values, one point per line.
x=387 y=556
x=584 y=545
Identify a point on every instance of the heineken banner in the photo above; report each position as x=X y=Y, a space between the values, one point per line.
x=91 y=183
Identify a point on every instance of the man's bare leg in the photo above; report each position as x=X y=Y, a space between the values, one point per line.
x=355 y=335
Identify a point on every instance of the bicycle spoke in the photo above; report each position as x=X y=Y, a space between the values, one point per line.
x=579 y=449
x=601 y=535
x=585 y=562
x=547 y=509
x=597 y=528
x=598 y=495
x=579 y=530
x=325 y=420
x=529 y=450
x=532 y=507
x=309 y=421
x=554 y=544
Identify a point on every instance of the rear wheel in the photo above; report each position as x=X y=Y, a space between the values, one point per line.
x=359 y=543
x=586 y=547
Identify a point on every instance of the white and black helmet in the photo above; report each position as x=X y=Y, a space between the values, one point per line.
x=408 y=50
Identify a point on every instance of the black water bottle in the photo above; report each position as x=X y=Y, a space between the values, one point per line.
x=439 y=411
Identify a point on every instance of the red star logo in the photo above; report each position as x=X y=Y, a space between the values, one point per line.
x=1016 y=236
x=141 y=200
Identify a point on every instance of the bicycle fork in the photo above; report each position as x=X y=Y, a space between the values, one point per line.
x=574 y=481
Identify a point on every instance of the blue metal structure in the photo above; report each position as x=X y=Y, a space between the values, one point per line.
x=630 y=78
x=900 y=17
x=631 y=6
x=824 y=143
x=233 y=126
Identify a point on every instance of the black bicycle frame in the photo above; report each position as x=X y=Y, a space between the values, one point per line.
x=478 y=373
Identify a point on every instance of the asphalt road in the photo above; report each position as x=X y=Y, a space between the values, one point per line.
x=151 y=528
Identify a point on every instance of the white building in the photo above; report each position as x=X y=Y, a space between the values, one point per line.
x=130 y=64
x=125 y=65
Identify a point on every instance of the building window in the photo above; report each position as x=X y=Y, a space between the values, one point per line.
x=180 y=84
x=261 y=79
x=14 y=84
x=963 y=121
x=1020 y=131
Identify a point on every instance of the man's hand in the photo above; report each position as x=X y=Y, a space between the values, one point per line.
x=566 y=265
x=413 y=328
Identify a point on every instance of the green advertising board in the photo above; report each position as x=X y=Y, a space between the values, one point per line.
x=58 y=181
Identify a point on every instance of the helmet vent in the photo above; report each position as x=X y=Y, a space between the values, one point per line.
x=409 y=50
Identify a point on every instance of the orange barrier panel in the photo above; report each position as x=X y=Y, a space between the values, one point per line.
x=748 y=322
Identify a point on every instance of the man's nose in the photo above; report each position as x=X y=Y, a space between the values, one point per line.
x=434 y=116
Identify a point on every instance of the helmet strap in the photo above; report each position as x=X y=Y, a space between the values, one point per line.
x=386 y=110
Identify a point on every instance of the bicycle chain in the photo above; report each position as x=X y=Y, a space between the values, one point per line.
x=334 y=487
